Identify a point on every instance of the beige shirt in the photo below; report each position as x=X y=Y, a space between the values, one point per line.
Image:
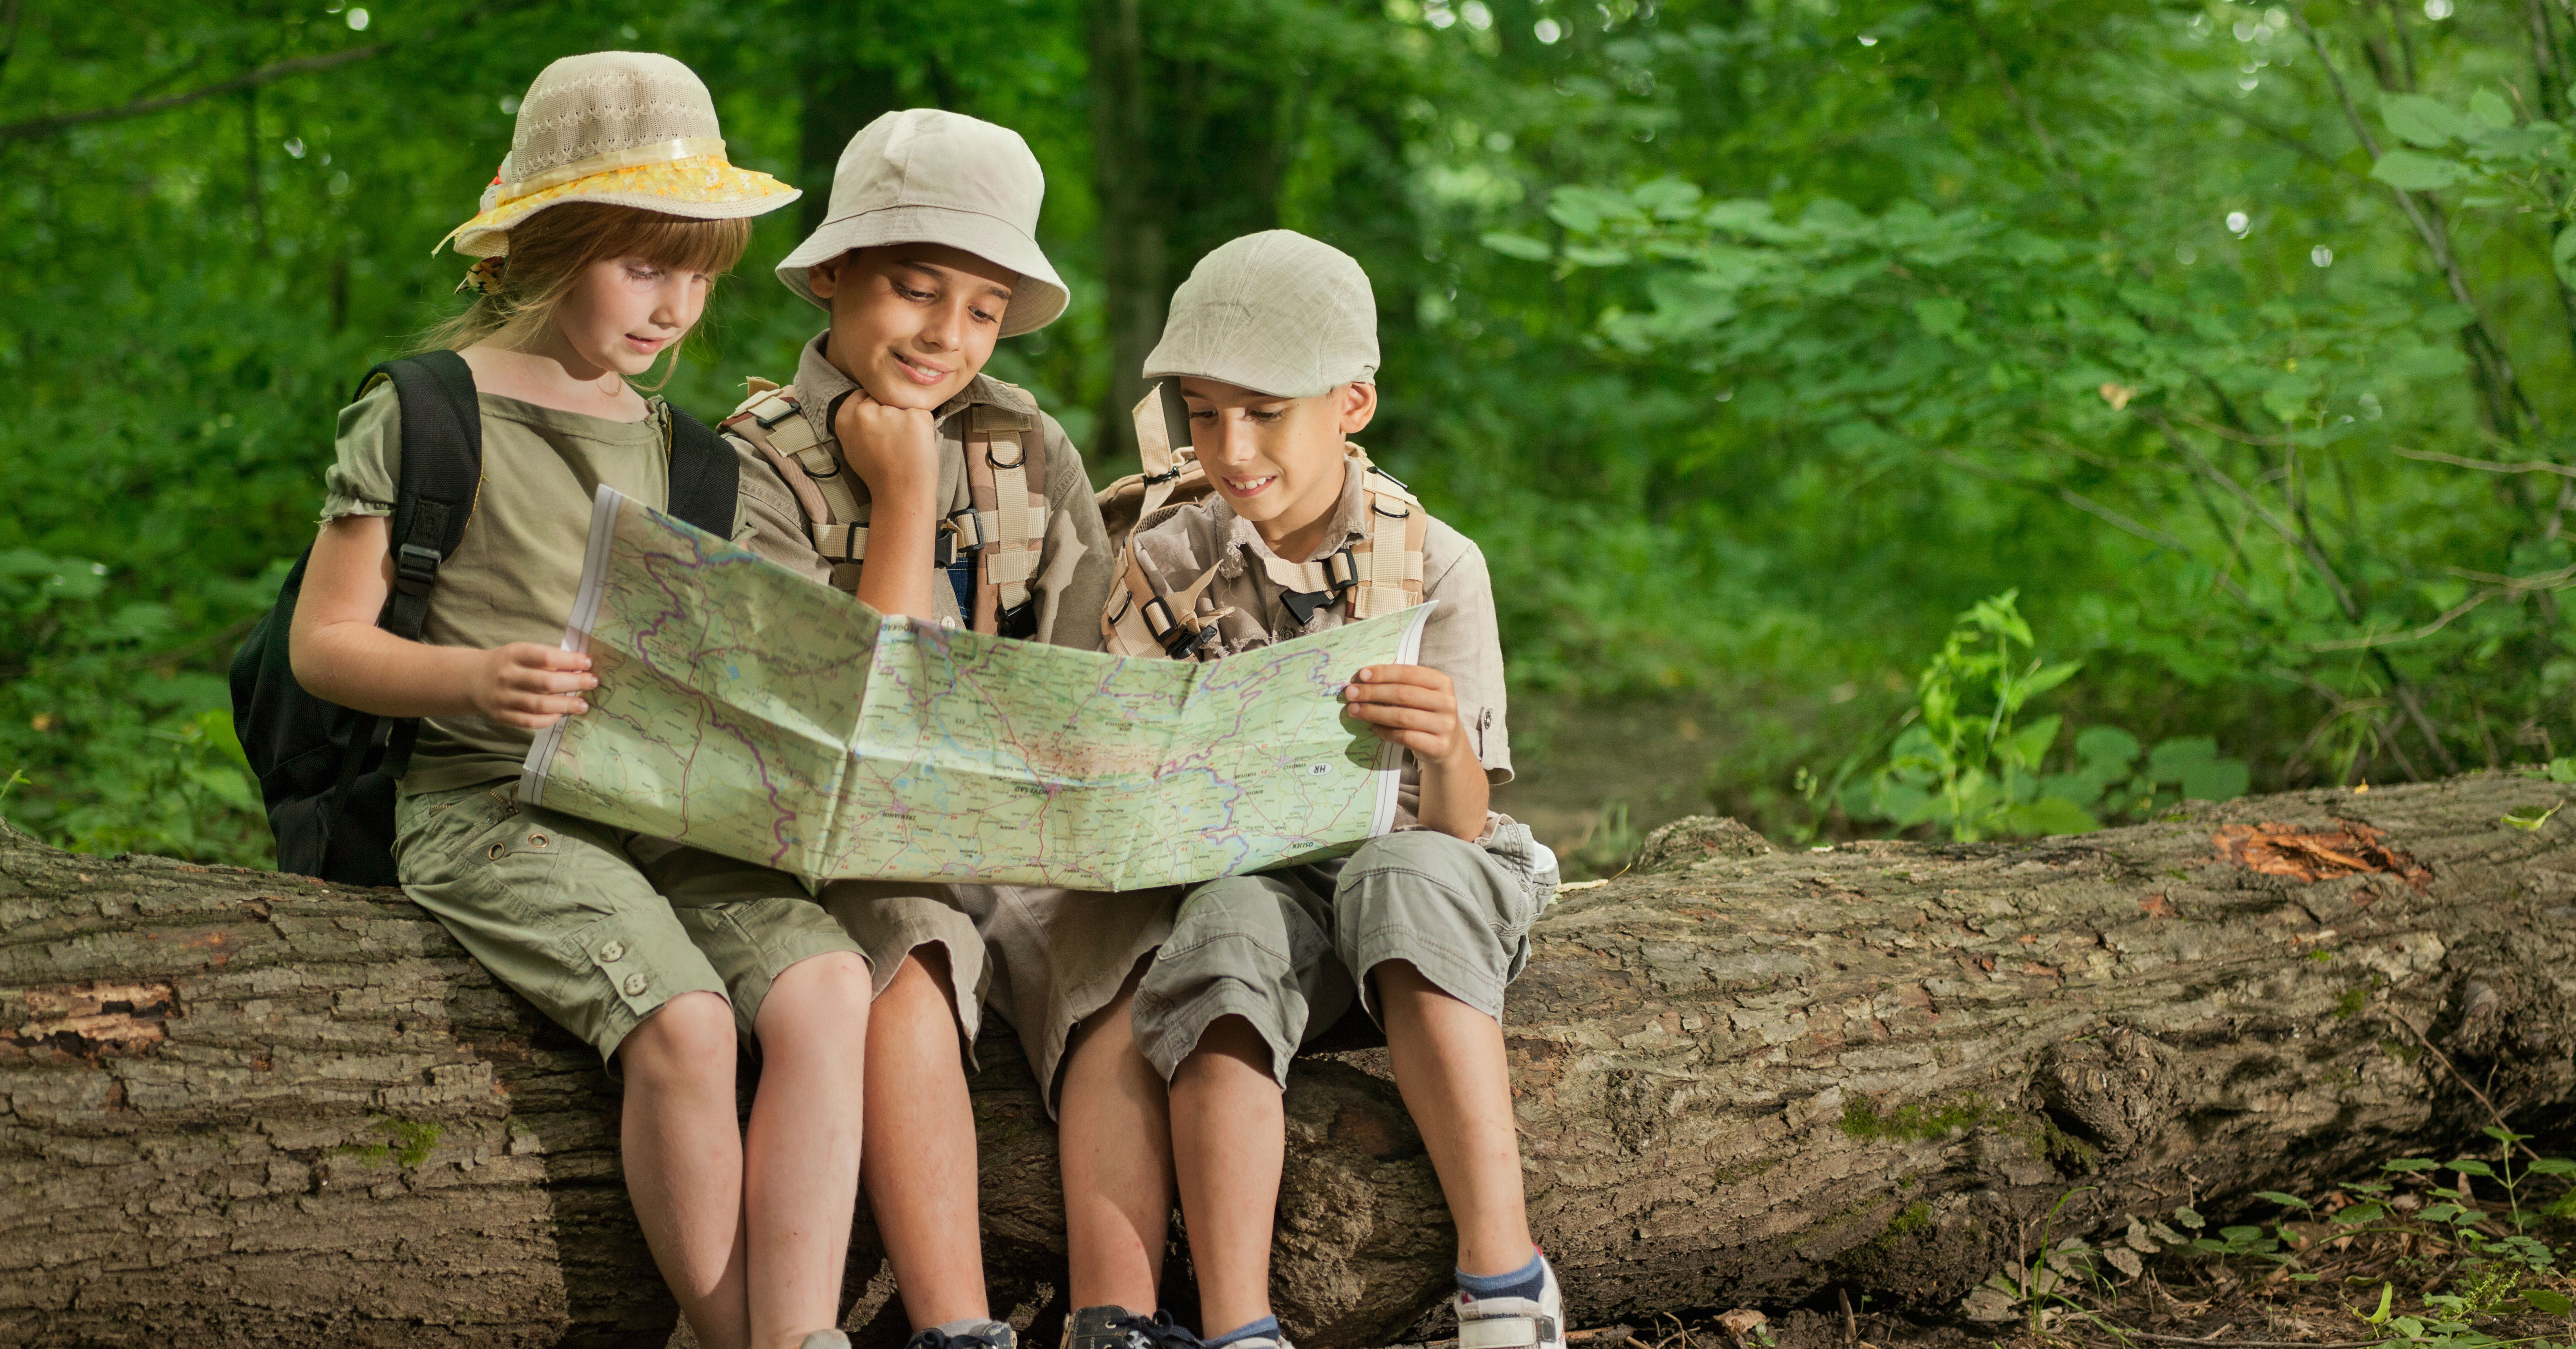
x=515 y=572
x=1073 y=574
x=1179 y=543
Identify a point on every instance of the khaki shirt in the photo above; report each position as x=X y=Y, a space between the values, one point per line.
x=515 y=572
x=1179 y=543
x=1073 y=577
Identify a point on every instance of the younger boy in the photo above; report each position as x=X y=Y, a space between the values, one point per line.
x=895 y=469
x=1273 y=340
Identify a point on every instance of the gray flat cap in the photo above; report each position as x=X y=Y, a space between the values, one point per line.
x=1274 y=312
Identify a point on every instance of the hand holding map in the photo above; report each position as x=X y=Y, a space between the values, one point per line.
x=747 y=711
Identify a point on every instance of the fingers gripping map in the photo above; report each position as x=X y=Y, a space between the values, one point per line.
x=747 y=711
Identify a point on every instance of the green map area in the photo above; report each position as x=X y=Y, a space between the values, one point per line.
x=747 y=711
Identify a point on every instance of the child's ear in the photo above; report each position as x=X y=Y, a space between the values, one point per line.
x=824 y=278
x=1359 y=406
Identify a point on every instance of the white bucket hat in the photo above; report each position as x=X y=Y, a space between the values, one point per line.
x=1274 y=312
x=627 y=128
x=923 y=176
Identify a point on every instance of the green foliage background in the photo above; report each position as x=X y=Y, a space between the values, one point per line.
x=1755 y=339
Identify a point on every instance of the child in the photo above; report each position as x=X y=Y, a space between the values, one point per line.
x=611 y=218
x=1273 y=340
x=895 y=469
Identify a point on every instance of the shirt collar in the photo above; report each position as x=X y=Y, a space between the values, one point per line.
x=1347 y=525
x=819 y=384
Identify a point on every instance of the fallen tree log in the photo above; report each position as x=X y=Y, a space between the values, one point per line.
x=237 y=1107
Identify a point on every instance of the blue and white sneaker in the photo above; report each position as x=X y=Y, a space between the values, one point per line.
x=1513 y=1322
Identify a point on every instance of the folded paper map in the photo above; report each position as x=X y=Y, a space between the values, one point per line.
x=747 y=711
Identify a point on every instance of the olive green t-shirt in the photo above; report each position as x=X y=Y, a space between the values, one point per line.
x=515 y=572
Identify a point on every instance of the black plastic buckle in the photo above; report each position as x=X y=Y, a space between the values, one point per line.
x=1184 y=643
x=964 y=524
x=1021 y=623
x=944 y=552
x=1341 y=569
x=415 y=569
x=1168 y=476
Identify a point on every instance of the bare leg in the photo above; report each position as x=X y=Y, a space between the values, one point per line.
x=1450 y=1066
x=683 y=1156
x=801 y=1154
x=1229 y=1140
x=920 y=1158
x=1115 y=1128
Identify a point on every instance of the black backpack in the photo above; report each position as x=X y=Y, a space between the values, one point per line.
x=328 y=773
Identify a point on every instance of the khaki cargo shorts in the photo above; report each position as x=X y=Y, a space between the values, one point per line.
x=561 y=911
x=1043 y=957
x=1287 y=949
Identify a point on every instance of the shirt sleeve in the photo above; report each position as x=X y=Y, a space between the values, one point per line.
x=1085 y=592
x=1462 y=640
x=767 y=519
x=366 y=467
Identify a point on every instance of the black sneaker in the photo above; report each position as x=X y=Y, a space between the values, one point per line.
x=983 y=1335
x=1119 y=1328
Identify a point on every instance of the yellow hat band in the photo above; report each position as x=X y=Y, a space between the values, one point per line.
x=662 y=152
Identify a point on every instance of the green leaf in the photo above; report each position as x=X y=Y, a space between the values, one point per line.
x=2562 y=256
x=2049 y=815
x=2553 y=1166
x=2107 y=747
x=1517 y=246
x=2387 y=1296
x=2285 y=1200
x=2217 y=780
x=2190 y=1218
x=2548 y=1303
x=2358 y=1214
x=2417 y=172
x=2486 y=106
x=2410 y=1164
x=2420 y=120
x=1940 y=315
x=2471 y=1166
x=2029 y=744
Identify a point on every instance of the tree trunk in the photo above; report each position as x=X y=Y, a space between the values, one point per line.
x=1131 y=231
x=239 y=1107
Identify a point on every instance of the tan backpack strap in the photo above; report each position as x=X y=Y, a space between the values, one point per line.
x=1140 y=622
x=1006 y=486
x=1389 y=560
x=773 y=422
x=1162 y=460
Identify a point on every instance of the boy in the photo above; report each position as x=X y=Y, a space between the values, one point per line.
x=895 y=469
x=1273 y=340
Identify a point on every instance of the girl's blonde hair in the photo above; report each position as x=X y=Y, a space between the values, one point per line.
x=549 y=252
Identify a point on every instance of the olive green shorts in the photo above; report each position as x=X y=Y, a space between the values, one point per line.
x=560 y=910
x=1287 y=949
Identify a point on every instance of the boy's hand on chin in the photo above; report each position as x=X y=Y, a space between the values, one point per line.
x=1410 y=705
x=895 y=451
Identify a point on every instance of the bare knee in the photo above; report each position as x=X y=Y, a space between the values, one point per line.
x=920 y=984
x=690 y=1036
x=827 y=992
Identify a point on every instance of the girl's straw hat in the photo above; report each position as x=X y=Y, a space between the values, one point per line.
x=923 y=176
x=627 y=128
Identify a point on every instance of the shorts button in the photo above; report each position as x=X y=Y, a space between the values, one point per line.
x=613 y=952
x=635 y=985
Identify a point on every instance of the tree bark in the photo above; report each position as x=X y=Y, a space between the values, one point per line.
x=1132 y=238
x=237 y=1107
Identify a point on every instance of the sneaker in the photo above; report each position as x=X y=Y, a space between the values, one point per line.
x=826 y=1339
x=1513 y=1322
x=1119 y=1328
x=976 y=1335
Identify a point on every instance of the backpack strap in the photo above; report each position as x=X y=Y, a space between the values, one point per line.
x=442 y=474
x=772 y=421
x=1006 y=483
x=1388 y=563
x=706 y=479
x=1141 y=621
